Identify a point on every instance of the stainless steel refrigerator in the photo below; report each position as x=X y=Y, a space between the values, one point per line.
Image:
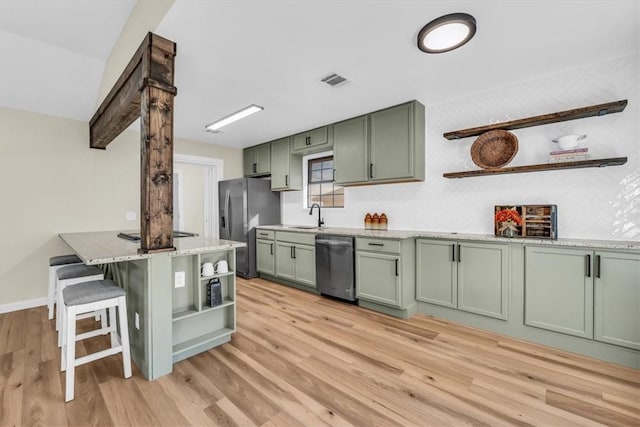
x=245 y=203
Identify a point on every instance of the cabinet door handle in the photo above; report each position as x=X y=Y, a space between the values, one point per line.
x=255 y=168
x=375 y=244
x=308 y=140
x=286 y=180
x=294 y=251
x=588 y=265
x=453 y=252
x=264 y=234
x=397 y=267
x=370 y=170
x=291 y=252
x=271 y=248
x=597 y=266
x=334 y=175
x=459 y=253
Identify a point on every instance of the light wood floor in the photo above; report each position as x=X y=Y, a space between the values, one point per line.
x=302 y=360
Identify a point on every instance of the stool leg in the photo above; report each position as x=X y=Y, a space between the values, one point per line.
x=113 y=327
x=60 y=314
x=71 y=351
x=124 y=336
x=51 y=295
x=61 y=342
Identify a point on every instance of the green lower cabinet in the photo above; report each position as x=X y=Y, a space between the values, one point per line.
x=305 y=261
x=385 y=274
x=437 y=272
x=265 y=257
x=483 y=279
x=467 y=276
x=296 y=262
x=285 y=264
x=378 y=278
x=559 y=290
x=617 y=298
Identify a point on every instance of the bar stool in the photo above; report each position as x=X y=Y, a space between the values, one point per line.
x=88 y=297
x=55 y=262
x=73 y=275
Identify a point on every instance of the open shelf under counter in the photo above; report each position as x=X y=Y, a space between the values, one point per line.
x=594 y=163
x=229 y=273
x=192 y=311
x=195 y=345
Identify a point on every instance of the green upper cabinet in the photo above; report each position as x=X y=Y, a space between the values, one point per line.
x=351 y=150
x=559 y=290
x=468 y=276
x=617 y=298
x=390 y=143
x=313 y=141
x=397 y=143
x=286 y=170
x=257 y=160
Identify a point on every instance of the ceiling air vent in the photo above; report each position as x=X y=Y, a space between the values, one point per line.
x=333 y=80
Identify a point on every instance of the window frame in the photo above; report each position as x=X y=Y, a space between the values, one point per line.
x=305 y=178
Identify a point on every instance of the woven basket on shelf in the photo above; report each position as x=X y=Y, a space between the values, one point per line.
x=494 y=149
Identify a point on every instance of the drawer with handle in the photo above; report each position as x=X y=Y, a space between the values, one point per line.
x=377 y=245
x=265 y=234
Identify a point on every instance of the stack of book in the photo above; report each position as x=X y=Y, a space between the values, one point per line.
x=572 y=155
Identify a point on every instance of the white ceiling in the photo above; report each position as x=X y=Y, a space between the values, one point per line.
x=273 y=53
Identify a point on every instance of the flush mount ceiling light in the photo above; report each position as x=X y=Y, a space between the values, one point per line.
x=247 y=111
x=446 y=33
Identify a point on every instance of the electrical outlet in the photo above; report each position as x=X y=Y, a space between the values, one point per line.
x=136 y=320
x=131 y=216
x=180 y=279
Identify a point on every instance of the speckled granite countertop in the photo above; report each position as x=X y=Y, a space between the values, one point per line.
x=410 y=234
x=103 y=247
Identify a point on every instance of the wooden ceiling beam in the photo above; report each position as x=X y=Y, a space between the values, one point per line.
x=151 y=65
x=145 y=89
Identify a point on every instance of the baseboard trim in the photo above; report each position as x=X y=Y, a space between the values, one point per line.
x=22 y=305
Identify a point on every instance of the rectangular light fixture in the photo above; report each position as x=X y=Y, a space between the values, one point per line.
x=247 y=111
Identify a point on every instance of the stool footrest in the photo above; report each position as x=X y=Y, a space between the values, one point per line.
x=91 y=334
x=97 y=355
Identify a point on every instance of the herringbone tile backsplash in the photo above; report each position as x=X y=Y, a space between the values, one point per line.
x=594 y=203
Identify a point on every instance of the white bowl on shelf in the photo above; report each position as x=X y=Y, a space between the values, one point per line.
x=569 y=141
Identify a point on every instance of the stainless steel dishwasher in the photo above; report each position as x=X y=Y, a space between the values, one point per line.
x=335 y=272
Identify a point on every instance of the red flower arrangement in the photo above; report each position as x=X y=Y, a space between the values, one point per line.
x=509 y=215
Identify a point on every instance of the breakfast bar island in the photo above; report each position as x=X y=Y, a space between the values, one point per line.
x=170 y=317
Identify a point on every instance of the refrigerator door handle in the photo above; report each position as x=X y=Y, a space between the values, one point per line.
x=227 y=201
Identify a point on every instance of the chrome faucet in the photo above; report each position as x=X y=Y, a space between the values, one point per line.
x=320 y=221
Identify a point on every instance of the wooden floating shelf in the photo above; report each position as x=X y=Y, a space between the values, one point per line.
x=562 y=116
x=595 y=163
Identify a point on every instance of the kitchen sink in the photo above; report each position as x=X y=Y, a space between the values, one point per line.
x=304 y=227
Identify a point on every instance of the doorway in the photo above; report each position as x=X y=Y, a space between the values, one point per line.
x=195 y=194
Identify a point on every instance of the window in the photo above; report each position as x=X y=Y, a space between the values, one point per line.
x=320 y=186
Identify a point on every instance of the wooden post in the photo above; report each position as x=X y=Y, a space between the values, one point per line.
x=145 y=89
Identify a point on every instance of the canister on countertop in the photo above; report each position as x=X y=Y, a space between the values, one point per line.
x=375 y=221
x=383 y=222
x=367 y=221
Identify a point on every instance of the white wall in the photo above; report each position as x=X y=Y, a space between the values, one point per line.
x=592 y=203
x=51 y=182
